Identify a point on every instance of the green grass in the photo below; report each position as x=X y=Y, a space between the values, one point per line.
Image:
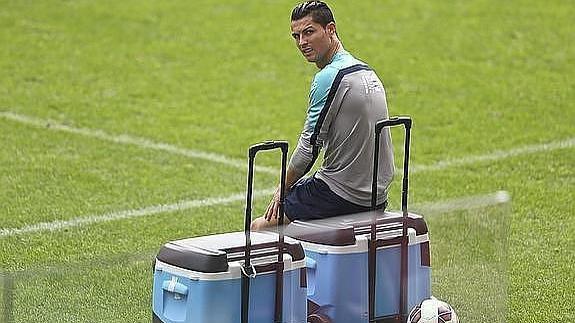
x=470 y=260
x=107 y=291
x=476 y=76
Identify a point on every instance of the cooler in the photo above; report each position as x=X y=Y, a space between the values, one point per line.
x=198 y=280
x=337 y=265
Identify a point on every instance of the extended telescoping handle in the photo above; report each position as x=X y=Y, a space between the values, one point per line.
x=268 y=145
x=379 y=126
x=395 y=121
x=248 y=268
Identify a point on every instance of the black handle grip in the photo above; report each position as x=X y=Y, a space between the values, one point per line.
x=395 y=121
x=268 y=145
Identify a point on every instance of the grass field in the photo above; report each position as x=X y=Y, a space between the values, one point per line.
x=128 y=122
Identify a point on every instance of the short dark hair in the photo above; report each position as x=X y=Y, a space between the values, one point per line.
x=319 y=11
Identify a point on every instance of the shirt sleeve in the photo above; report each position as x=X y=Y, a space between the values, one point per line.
x=309 y=145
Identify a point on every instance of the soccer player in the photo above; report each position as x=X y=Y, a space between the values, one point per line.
x=345 y=102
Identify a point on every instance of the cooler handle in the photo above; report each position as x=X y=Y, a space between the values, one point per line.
x=268 y=145
x=248 y=268
x=394 y=121
x=173 y=286
x=311 y=268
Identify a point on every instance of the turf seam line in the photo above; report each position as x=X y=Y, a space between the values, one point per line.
x=8 y=297
x=134 y=141
x=128 y=214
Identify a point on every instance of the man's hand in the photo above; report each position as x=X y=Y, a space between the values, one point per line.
x=273 y=210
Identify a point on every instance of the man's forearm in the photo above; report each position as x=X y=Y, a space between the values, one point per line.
x=291 y=178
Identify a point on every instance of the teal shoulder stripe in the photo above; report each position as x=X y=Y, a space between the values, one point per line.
x=331 y=95
x=323 y=83
x=318 y=95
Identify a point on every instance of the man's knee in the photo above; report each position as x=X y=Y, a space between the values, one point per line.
x=261 y=223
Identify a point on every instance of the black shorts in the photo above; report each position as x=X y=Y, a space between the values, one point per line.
x=310 y=198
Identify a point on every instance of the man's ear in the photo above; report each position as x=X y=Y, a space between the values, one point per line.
x=330 y=27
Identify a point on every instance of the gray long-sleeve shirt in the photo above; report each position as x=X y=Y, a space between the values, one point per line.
x=346 y=100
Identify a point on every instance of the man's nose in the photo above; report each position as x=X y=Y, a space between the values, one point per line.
x=302 y=41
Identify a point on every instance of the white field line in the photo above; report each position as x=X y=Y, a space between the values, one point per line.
x=134 y=141
x=464 y=203
x=81 y=221
x=146 y=143
x=496 y=155
x=128 y=214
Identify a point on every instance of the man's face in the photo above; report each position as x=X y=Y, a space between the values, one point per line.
x=312 y=39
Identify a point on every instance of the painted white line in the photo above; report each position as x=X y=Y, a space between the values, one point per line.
x=135 y=141
x=145 y=143
x=496 y=155
x=128 y=214
x=81 y=221
x=463 y=203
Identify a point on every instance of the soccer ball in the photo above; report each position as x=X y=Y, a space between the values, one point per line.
x=432 y=311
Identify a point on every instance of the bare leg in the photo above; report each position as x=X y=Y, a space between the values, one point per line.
x=261 y=223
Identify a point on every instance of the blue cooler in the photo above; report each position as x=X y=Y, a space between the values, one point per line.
x=198 y=280
x=337 y=262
